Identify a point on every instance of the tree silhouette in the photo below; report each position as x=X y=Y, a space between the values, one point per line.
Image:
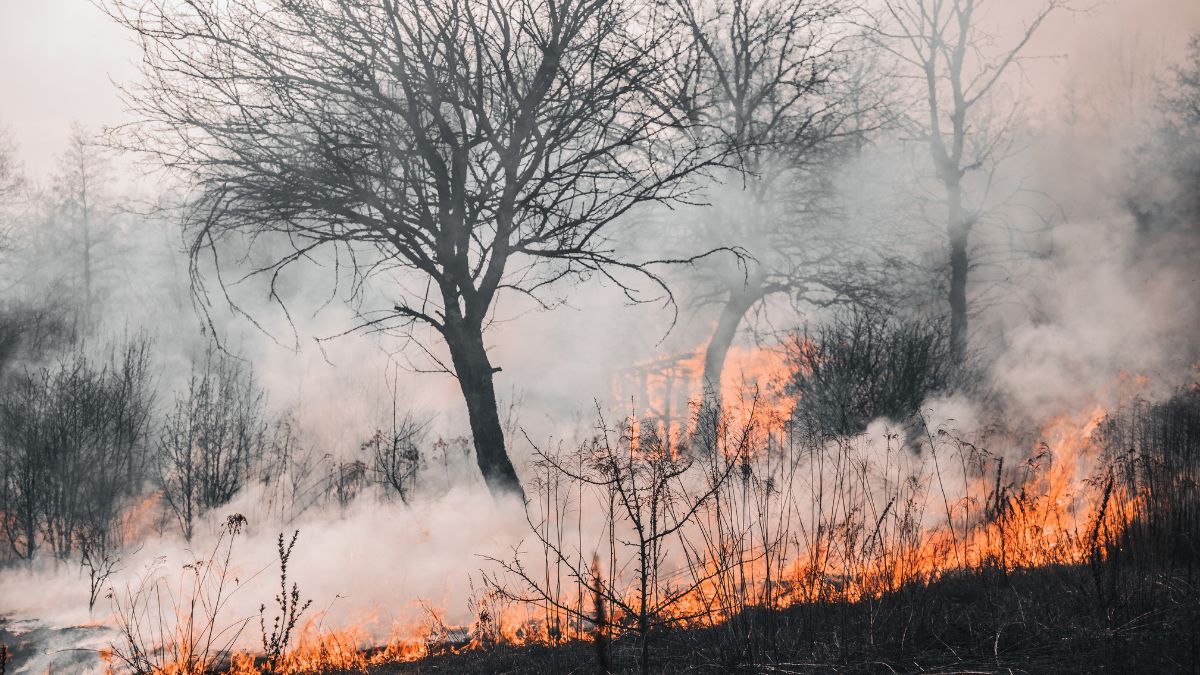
x=461 y=148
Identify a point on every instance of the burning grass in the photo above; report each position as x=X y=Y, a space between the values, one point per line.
x=739 y=546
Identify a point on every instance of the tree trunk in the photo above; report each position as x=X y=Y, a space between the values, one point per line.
x=958 y=229
x=85 y=214
x=740 y=301
x=474 y=372
x=643 y=604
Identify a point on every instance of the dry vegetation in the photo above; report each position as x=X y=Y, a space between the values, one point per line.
x=746 y=548
x=782 y=535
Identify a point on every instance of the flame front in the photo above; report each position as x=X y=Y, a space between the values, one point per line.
x=854 y=520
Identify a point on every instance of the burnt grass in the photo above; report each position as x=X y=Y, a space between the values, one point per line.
x=1072 y=619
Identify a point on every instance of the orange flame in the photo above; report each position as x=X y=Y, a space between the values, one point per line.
x=665 y=390
x=1052 y=508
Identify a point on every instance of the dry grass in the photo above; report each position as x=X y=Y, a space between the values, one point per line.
x=741 y=548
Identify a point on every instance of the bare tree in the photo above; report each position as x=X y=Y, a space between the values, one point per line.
x=81 y=200
x=395 y=457
x=1163 y=195
x=466 y=148
x=100 y=556
x=117 y=464
x=12 y=177
x=958 y=64
x=24 y=469
x=773 y=82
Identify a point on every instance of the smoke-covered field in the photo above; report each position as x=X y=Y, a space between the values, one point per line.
x=522 y=336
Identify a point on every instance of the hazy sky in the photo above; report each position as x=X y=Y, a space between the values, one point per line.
x=56 y=60
x=58 y=57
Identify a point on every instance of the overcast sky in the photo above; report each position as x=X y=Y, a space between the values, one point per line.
x=58 y=59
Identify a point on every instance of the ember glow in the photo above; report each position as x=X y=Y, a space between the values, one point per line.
x=666 y=390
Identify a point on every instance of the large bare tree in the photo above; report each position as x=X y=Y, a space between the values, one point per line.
x=958 y=61
x=469 y=147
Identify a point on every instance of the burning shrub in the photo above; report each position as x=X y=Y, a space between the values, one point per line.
x=729 y=539
x=648 y=493
x=865 y=365
x=276 y=642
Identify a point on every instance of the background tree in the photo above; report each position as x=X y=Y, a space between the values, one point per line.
x=85 y=216
x=1165 y=191
x=12 y=185
x=12 y=177
x=73 y=451
x=773 y=82
x=466 y=148
x=947 y=49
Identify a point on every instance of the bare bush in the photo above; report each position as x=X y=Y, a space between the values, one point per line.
x=275 y=643
x=168 y=628
x=212 y=440
x=394 y=456
x=865 y=365
x=73 y=451
x=641 y=479
x=100 y=559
